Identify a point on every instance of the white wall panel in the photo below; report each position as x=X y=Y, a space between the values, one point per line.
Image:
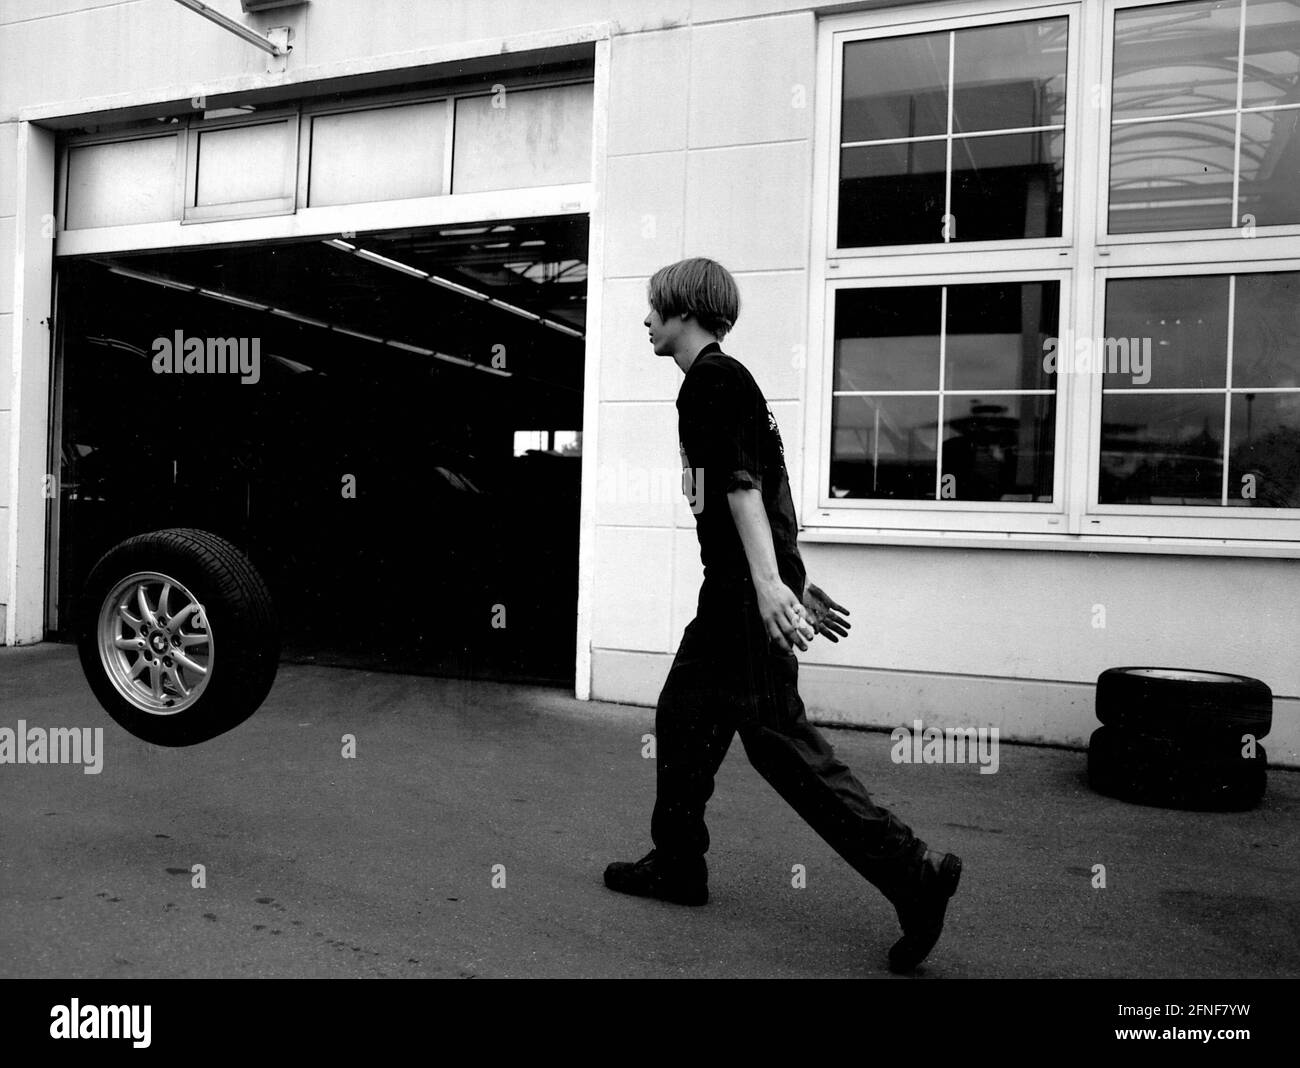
x=629 y=369
x=752 y=81
x=643 y=213
x=631 y=610
x=649 y=71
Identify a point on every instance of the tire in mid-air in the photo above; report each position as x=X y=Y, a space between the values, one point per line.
x=177 y=636
x=1186 y=774
x=1181 y=703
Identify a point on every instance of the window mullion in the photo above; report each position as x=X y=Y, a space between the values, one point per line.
x=1227 y=394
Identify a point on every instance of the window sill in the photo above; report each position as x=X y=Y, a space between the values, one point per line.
x=1089 y=543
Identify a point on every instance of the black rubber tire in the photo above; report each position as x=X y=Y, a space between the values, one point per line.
x=240 y=617
x=1172 y=774
x=1177 y=703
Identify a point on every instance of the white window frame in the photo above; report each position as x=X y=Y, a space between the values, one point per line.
x=1021 y=516
x=914 y=22
x=1216 y=520
x=248 y=209
x=1218 y=234
x=1085 y=256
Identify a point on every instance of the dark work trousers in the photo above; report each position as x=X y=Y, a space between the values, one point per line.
x=728 y=678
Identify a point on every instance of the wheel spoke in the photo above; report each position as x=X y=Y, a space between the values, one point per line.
x=174 y=677
x=185 y=662
x=155 y=644
x=177 y=621
x=146 y=613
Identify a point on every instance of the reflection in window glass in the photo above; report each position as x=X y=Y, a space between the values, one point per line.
x=1173 y=59
x=1266 y=330
x=1264 y=464
x=1183 y=322
x=903 y=367
x=1162 y=449
x=903 y=118
x=1269 y=189
x=1168 y=447
x=892 y=194
x=1007 y=187
x=883 y=447
x=895 y=87
x=994 y=335
x=1173 y=174
x=1271 y=47
x=887 y=339
x=999 y=449
x=1182 y=75
x=1009 y=76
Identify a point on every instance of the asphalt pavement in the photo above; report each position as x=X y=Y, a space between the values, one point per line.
x=468 y=834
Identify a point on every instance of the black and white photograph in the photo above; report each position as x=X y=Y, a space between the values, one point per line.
x=659 y=490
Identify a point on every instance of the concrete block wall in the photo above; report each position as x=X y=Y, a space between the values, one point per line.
x=709 y=153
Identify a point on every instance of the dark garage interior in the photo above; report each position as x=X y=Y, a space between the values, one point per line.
x=401 y=460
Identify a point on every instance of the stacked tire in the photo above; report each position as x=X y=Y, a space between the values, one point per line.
x=1181 y=739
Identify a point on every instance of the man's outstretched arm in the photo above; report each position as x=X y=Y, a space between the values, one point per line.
x=779 y=608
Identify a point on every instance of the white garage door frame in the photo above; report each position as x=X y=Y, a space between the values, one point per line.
x=39 y=243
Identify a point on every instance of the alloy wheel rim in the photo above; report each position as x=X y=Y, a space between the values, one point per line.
x=155 y=643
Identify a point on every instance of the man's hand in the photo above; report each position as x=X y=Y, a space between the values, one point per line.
x=783 y=616
x=821 y=611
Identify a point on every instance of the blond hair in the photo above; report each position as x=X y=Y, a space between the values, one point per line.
x=699 y=287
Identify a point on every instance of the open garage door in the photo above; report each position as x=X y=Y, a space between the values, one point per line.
x=389 y=423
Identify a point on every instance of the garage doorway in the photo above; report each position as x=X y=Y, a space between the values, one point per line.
x=389 y=423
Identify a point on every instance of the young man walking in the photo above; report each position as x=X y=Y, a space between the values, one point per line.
x=735 y=671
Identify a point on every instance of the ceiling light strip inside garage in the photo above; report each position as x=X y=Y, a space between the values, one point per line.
x=455 y=287
x=283 y=313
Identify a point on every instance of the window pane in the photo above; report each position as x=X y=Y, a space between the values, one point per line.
x=1266 y=330
x=521 y=138
x=1175 y=58
x=891 y=194
x=1009 y=76
x=122 y=182
x=883 y=447
x=996 y=334
x=895 y=87
x=998 y=449
x=380 y=154
x=1186 y=322
x=1269 y=191
x=1266 y=447
x=1161 y=449
x=1007 y=186
x=887 y=338
x=1272 y=44
x=244 y=163
x=1172 y=175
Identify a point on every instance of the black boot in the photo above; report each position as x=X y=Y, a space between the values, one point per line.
x=922 y=907
x=681 y=882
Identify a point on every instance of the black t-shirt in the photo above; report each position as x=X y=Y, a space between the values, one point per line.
x=729 y=439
